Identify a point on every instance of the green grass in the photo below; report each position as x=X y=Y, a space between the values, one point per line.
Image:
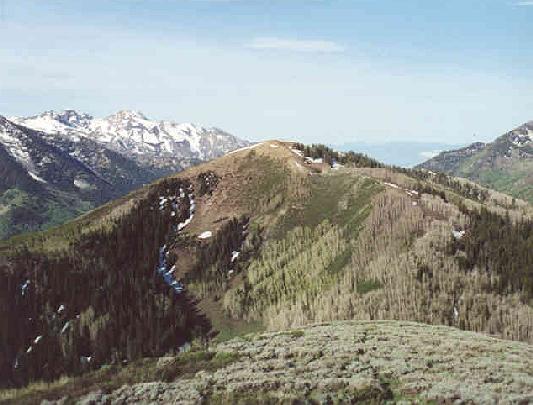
x=228 y=331
x=294 y=333
x=366 y=286
x=267 y=179
x=513 y=179
x=512 y=182
x=342 y=199
x=11 y=202
x=339 y=262
x=22 y=212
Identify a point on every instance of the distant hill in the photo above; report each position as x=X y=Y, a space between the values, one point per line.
x=505 y=165
x=57 y=165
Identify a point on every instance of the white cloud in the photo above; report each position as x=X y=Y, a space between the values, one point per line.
x=524 y=3
x=295 y=45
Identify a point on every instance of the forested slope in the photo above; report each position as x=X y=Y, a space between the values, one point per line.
x=269 y=237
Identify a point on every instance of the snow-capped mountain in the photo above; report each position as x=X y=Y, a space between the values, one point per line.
x=159 y=144
x=41 y=185
x=40 y=152
x=41 y=161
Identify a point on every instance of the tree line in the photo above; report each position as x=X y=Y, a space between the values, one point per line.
x=330 y=156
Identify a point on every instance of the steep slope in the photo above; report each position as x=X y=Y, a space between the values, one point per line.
x=164 y=145
x=505 y=165
x=342 y=362
x=273 y=236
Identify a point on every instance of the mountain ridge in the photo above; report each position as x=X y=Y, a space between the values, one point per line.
x=506 y=164
x=157 y=143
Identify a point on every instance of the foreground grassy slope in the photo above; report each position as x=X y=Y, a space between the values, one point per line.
x=340 y=362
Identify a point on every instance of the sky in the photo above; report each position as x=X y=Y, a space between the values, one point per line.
x=336 y=71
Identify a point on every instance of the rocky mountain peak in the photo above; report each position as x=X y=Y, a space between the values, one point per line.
x=127 y=115
x=3 y=120
x=68 y=117
x=162 y=144
x=521 y=136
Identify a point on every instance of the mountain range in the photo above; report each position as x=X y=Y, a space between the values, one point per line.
x=505 y=165
x=158 y=144
x=166 y=283
x=57 y=165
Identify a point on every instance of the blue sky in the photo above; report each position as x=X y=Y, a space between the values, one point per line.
x=315 y=70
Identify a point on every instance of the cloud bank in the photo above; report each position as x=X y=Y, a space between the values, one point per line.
x=295 y=45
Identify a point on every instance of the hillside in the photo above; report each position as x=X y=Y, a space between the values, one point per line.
x=57 y=165
x=505 y=165
x=269 y=237
x=341 y=362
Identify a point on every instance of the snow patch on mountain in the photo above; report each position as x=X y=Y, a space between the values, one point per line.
x=12 y=139
x=35 y=177
x=521 y=139
x=82 y=184
x=205 y=235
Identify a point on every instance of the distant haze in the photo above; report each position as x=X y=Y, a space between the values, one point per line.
x=404 y=154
